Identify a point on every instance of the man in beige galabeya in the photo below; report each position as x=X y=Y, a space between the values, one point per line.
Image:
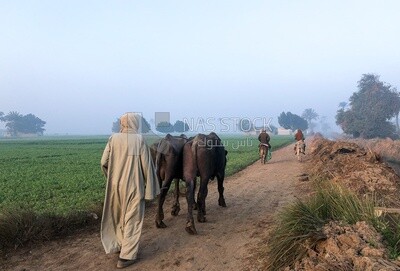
x=131 y=178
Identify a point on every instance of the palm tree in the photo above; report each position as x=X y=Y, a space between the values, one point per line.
x=309 y=115
x=395 y=104
x=323 y=122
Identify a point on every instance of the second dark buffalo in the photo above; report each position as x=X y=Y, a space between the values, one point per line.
x=203 y=156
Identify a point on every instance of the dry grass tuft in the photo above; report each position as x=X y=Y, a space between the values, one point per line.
x=300 y=225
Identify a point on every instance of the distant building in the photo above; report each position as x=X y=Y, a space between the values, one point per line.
x=5 y=133
x=28 y=135
x=252 y=132
x=283 y=131
x=257 y=130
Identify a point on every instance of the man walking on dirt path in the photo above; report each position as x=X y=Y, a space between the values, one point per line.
x=131 y=178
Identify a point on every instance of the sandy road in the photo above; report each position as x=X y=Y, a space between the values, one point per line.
x=225 y=242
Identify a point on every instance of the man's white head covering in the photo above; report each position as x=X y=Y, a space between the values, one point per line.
x=130 y=123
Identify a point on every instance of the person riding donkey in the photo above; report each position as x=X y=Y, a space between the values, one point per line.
x=264 y=138
x=299 y=137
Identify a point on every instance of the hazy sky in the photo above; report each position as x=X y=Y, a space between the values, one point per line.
x=79 y=65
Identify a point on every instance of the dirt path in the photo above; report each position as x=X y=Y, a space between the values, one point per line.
x=225 y=242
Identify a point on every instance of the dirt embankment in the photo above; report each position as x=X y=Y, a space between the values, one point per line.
x=359 y=169
x=359 y=246
x=388 y=149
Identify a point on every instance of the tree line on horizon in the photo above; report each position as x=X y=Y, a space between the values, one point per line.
x=368 y=114
x=286 y=120
x=162 y=127
x=372 y=112
x=17 y=124
x=304 y=122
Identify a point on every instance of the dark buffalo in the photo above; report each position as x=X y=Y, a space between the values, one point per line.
x=203 y=156
x=167 y=157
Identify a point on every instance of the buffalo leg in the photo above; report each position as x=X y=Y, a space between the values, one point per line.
x=201 y=199
x=194 y=192
x=221 y=199
x=176 y=207
x=190 y=227
x=161 y=199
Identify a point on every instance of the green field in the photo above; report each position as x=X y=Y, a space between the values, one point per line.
x=62 y=175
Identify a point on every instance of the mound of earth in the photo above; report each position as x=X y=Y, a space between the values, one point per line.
x=387 y=148
x=356 y=247
x=358 y=169
x=359 y=246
